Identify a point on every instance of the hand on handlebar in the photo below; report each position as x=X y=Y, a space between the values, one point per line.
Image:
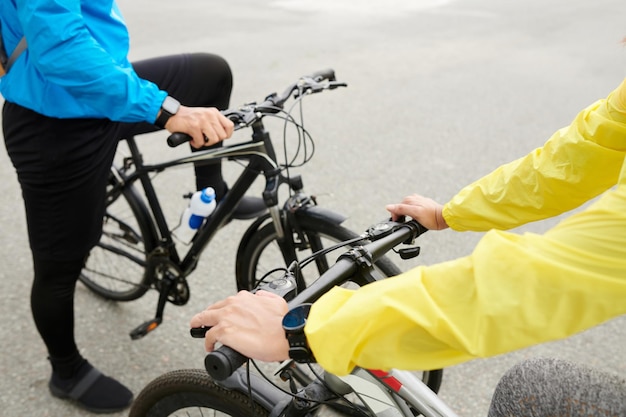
x=422 y=209
x=248 y=323
x=206 y=125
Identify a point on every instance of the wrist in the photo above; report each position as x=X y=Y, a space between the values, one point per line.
x=440 y=220
x=169 y=108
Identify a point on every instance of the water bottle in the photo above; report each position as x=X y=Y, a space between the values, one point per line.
x=200 y=207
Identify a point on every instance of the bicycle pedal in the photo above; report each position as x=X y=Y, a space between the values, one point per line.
x=145 y=328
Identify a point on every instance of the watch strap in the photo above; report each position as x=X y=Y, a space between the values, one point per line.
x=299 y=349
x=293 y=324
x=162 y=119
x=169 y=108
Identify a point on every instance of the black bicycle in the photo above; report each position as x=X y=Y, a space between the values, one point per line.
x=138 y=252
x=224 y=387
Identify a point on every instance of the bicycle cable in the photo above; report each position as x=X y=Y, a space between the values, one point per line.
x=350 y=405
x=288 y=119
x=329 y=249
x=357 y=394
x=303 y=134
x=270 y=272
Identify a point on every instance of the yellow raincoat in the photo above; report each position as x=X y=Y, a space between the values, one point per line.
x=514 y=290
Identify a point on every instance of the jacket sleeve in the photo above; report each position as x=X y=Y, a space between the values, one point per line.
x=576 y=164
x=512 y=291
x=89 y=66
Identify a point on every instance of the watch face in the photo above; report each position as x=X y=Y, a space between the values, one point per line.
x=170 y=105
x=295 y=319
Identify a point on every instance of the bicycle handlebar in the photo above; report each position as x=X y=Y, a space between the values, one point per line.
x=248 y=113
x=222 y=362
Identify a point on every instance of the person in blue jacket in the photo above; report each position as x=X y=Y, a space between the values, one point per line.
x=70 y=95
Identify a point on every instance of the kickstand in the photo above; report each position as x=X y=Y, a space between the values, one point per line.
x=143 y=329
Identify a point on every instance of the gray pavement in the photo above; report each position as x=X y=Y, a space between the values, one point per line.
x=440 y=92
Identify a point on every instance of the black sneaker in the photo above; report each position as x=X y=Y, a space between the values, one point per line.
x=92 y=390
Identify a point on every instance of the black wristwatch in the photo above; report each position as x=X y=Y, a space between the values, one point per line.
x=169 y=107
x=293 y=324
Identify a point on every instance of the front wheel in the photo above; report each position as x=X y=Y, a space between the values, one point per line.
x=259 y=254
x=189 y=393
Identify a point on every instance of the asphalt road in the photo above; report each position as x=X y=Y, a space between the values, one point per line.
x=440 y=93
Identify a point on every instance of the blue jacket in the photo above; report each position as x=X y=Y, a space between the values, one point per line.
x=75 y=65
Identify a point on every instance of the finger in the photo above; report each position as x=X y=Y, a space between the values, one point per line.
x=228 y=125
x=232 y=299
x=210 y=316
x=395 y=211
x=214 y=133
x=203 y=319
x=210 y=340
x=392 y=208
x=411 y=199
x=220 y=129
x=198 y=140
x=209 y=137
x=263 y=293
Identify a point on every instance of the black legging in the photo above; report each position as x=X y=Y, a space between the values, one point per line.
x=62 y=167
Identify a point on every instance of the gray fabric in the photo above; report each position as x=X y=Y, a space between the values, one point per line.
x=555 y=388
x=85 y=383
x=21 y=46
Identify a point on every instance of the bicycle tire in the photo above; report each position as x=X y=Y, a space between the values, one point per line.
x=190 y=391
x=248 y=268
x=116 y=267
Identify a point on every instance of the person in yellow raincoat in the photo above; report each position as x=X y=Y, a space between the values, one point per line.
x=513 y=291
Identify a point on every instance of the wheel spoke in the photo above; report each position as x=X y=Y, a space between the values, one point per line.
x=116 y=267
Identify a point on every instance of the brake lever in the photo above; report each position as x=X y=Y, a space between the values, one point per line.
x=244 y=116
x=317 y=87
x=336 y=84
x=199 y=332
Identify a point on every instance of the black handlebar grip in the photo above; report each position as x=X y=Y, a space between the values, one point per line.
x=176 y=139
x=222 y=362
x=327 y=74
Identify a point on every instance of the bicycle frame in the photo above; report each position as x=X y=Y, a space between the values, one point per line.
x=260 y=154
x=416 y=393
x=405 y=384
x=164 y=266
